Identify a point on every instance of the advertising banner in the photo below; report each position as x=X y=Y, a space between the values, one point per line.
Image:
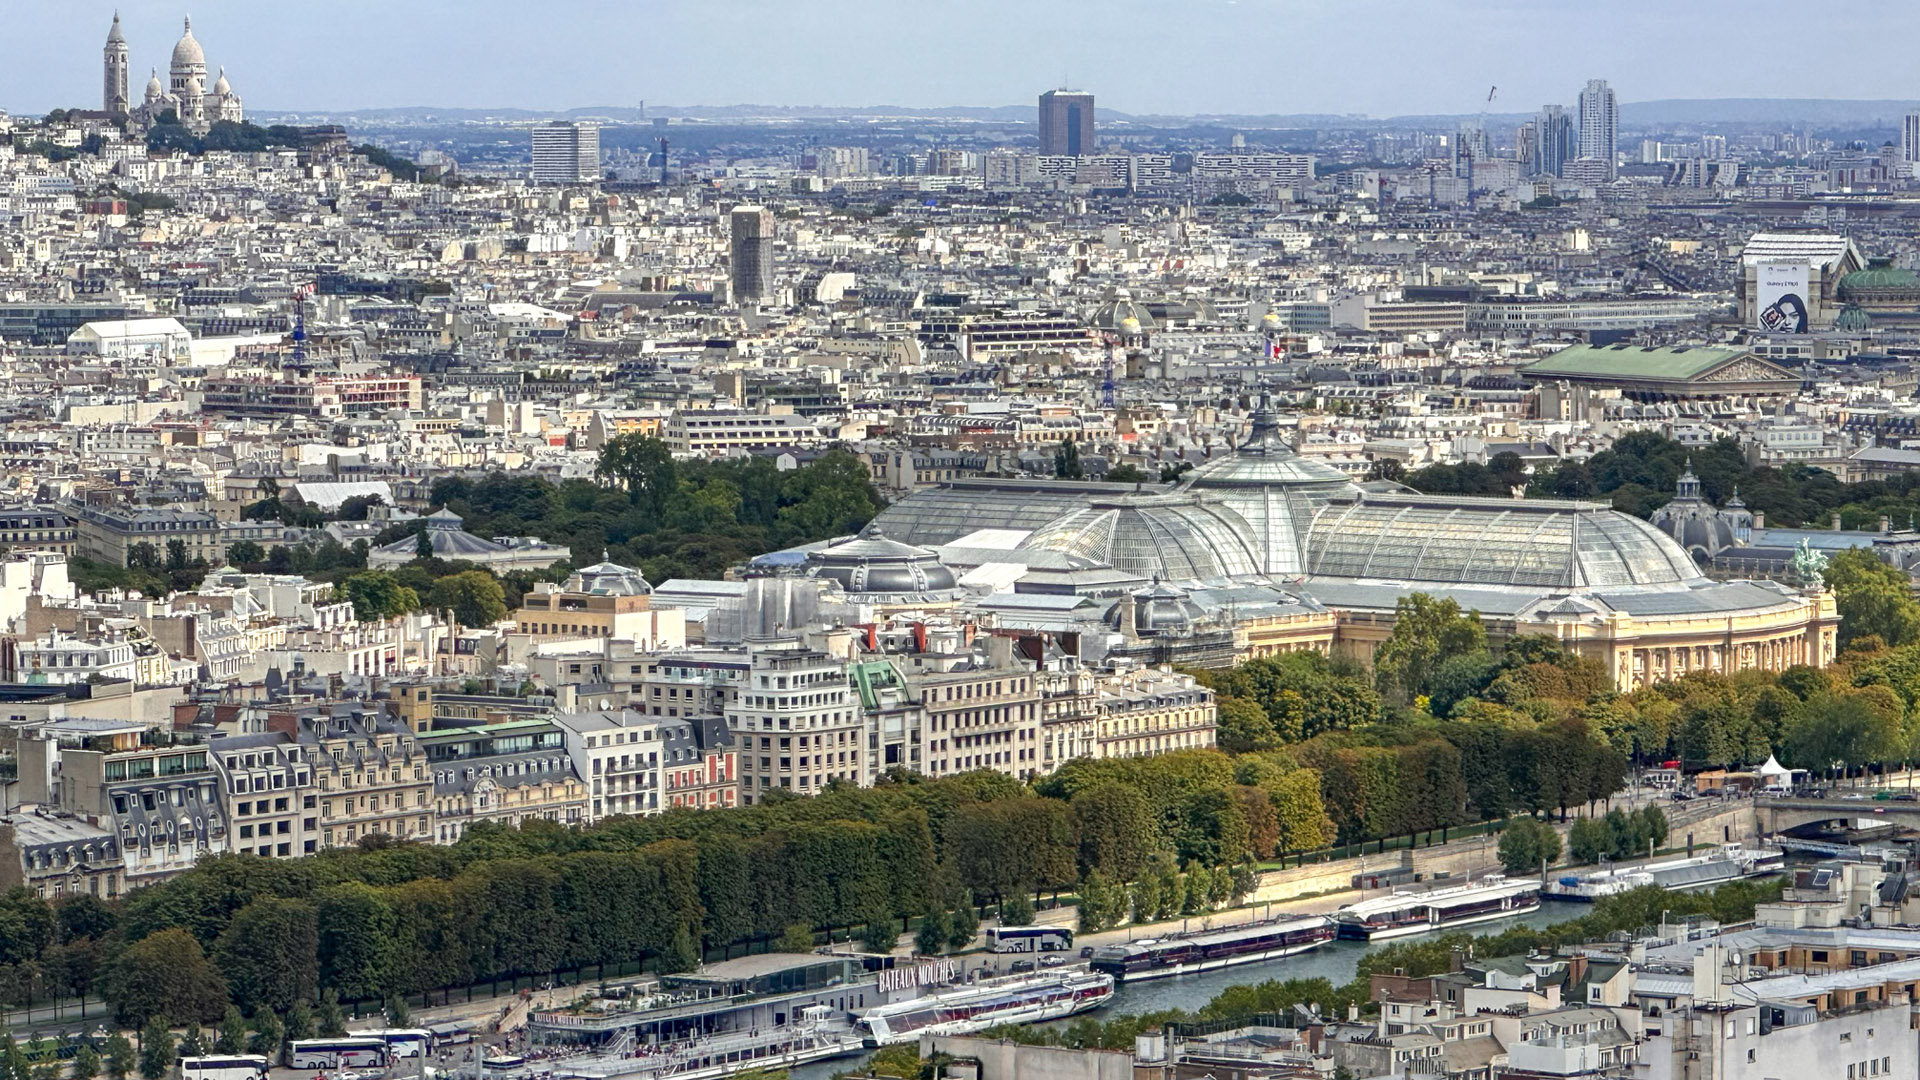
x=1780 y=297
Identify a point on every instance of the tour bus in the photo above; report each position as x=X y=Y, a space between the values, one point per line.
x=223 y=1067
x=1029 y=938
x=353 y=1052
x=401 y=1042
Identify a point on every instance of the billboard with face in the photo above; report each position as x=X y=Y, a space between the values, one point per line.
x=1780 y=297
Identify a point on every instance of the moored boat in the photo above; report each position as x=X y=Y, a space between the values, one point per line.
x=1400 y=914
x=1210 y=950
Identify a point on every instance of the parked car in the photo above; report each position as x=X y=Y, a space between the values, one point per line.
x=1086 y=953
x=1019 y=967
x=1053 y=961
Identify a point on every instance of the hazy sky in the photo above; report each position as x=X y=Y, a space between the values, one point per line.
x=1379 y=57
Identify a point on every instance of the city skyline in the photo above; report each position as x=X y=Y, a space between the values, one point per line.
x=717 y=55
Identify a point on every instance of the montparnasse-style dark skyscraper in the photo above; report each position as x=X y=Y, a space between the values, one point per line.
x=1066 y=123
x=753 y=235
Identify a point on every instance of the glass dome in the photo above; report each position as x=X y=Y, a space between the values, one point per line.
x=1171 y=538
x=1548 y=544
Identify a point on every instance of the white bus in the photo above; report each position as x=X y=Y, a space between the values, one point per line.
x=1004 y=939
x=353 y=1052
x=401 y=1042
x=223 y=1067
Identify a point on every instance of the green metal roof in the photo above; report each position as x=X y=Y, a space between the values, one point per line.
x=1879 y=274
x=1665 y=364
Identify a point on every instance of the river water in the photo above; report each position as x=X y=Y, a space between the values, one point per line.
x=1336 y=961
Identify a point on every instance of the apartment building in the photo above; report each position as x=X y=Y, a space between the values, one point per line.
x=160 y=799
x=1141 y=713
x=268 y=782
x=983 y=709
x=701 y=431
x=796 y=721
x=699 y=768
x=108 y=534
x=503 y=773
x=36 y=528
x=372 y=777
x=601 y=601
x=616 y=752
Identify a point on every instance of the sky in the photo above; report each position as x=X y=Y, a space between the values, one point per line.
x=1176 y=57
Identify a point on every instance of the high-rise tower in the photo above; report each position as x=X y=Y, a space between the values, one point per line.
x=1066 y=123
x=566 y=152
x=1599 y=124
x=753 y=233
x=1553 y=141
x=115 y=99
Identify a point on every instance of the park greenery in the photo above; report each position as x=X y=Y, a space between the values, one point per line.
x=1638 y=474
x=665 y=517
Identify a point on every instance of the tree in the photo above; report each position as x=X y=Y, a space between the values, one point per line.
x=156 y=1049
x=931 y=938
x=269 y=954
x=644 y=466
x=877 y=934
x=246 y=553
x=120 y=1058
x=164 y=972
x=1588 y=841
x=86 y=1061
x=1387 y=469
x=796 y=938
x=377 y=594
x=299 y=1021
x=1128 y=474
x=964 y=925
x=144 y=556
x=1527 y=844
x=333 y=1020
x=1873 y=598
x=474 y=597
x=269 y=1033
x=1116 y=829
x=191 y=1042
x=422 y=543
x=1102 y=903
x=233 y=1032
x=176 y=554
x=681 y=953
x=1243 y=726
x=1653 y=824
x=1066 y=460
x=1016 y=910
x=1425 y=633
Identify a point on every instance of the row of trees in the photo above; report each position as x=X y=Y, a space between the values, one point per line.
x=405 y=919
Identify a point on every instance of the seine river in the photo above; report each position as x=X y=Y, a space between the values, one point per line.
x=1335 y=961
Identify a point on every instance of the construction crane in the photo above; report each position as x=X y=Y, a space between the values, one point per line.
x=1467 y=148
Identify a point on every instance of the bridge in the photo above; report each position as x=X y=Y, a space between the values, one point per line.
x=1777 y=815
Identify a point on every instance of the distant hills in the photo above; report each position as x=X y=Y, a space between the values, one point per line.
x=1636 y=115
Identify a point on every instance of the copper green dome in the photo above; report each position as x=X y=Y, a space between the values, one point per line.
x=1852 y=318
x=1879 y=275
